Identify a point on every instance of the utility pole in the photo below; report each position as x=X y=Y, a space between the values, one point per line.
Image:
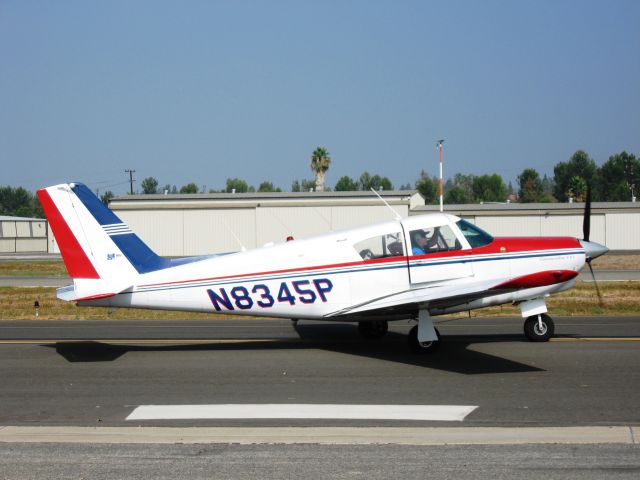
x=439 y=146
x=131 y=172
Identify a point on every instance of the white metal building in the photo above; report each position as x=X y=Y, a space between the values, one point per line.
x=198 y=224
x=176 y=225
x=22 y=235
x=614 y=224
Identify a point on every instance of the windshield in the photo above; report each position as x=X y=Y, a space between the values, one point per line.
x=474 y=235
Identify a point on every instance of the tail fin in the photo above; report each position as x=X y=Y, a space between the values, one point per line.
x=93 y=241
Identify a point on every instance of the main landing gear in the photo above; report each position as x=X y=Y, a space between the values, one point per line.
x=373 y=329
x=424 y=337
x=428 y=346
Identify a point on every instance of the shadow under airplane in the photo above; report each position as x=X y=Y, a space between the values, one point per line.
x=453 y=354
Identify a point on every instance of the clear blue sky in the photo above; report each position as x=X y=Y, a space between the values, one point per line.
x=200 y=91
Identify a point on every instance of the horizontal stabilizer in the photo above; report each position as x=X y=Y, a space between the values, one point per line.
x=90 y=289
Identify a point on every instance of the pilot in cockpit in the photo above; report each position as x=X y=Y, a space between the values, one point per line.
x=419 y=242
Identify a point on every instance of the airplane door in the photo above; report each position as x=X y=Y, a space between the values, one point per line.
x=436 y=254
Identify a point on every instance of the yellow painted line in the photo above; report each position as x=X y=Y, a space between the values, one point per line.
x=597 y=339
x=128 y=342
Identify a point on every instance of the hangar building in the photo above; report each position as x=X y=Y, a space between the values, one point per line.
x=197 y=224
x=22 y=235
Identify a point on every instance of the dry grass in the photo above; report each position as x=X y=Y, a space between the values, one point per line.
x=18 y=304
x=617 y=262
x=44 y=268
x=620 y=298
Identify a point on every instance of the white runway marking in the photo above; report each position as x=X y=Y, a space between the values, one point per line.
x=302 y=411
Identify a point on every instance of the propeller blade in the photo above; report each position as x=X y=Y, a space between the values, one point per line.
x=586 y=220
x=600 y=302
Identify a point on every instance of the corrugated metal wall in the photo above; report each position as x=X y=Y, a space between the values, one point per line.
x=23 y=236
x=203 y=231
x=618 y=231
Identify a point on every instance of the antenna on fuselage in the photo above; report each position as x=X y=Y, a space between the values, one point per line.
x=242 y=247
x=396 y=214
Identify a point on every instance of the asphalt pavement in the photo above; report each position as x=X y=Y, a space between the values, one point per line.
x=563 y=409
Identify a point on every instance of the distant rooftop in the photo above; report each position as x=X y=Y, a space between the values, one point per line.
x=502 y=208
x=6 y=218
x=266 y=195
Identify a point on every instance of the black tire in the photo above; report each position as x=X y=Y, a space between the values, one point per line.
x=373 y=329
x=533 y=331
x=425 y=347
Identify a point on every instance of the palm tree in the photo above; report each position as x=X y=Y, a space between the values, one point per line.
x=320 y=161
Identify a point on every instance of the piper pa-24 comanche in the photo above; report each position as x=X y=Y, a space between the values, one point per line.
x=409 y=268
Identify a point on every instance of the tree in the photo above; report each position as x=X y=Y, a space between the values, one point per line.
x=578 y=165
x=236 y=184
x=368 y=181
x=18 y=202
x=172 y=189
x=456 y=195
x=489 y=188
x=189 y=188
x=547 y=185
x=346 y=184
x=577 y=188
x=268 y=187
x=619 y=178
x=428 y=188
x=149 y=185
x=106 y=197
x=530 y=186
x=303 y=185
x=380 y=183
x=320 y=161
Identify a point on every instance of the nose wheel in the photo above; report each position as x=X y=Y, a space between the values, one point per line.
x=539 y=328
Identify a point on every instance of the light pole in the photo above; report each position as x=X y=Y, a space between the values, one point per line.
x=439 y=146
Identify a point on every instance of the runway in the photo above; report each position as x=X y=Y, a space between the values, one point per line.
x=563 y=409
x=87 y=373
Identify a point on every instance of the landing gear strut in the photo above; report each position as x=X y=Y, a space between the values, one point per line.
x=539 y=328
x=373 y=329
x=424 y=337
x=417 y=346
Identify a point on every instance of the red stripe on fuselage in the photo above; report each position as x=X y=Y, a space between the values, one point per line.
x=507 y=245
x=287 y=270
x=77 y=263
x=504 y=245
x=538 y=279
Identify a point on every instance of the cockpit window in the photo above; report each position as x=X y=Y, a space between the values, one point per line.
x=433 y=240
x=474 y=235
x=381 y=246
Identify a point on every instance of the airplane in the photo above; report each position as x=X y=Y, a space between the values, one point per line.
x=412 y=268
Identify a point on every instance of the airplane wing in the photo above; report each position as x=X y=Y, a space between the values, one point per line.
x=447 y=294
x=442 y=294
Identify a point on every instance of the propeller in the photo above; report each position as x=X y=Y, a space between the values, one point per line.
x=591 y=252
x=586 y=219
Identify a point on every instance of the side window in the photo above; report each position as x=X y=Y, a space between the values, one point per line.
x=381 y=246
x=433 y=240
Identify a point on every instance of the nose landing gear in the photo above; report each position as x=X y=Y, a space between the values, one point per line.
x=539 y=328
